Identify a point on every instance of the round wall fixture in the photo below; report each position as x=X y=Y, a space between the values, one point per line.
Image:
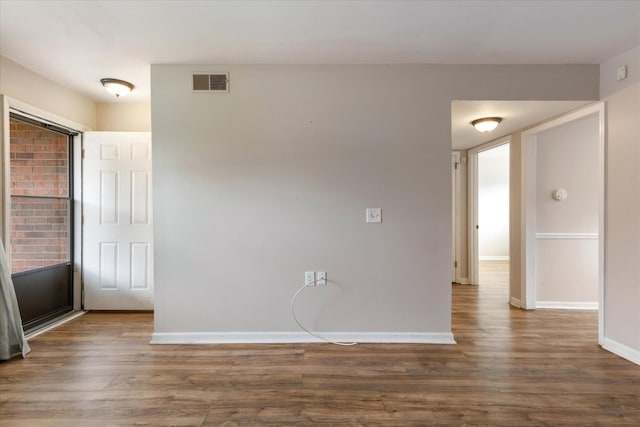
x=559 y=195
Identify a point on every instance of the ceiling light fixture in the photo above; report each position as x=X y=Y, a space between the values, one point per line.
x=486 y=124
x=117 y=87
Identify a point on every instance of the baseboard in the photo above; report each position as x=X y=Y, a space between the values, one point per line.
x=464 y=281
x=493 y=258
x=567 y=236
x=567 y=305
x=515 y=302
x=300 y=337
x=632 y=355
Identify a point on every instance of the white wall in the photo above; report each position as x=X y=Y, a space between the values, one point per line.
x=493 y=203
x=254 y=187
x=24 y=85
x=622 y=245
x=123 y=117
x=566 y=260
x=567 y=157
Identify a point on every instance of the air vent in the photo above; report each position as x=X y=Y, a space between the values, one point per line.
x=206 y=83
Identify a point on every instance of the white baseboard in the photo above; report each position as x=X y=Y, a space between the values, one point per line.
x=631 y=354
x=567 y=236
x=515 y=302
x=493 y=258
x=300 y=337
x=567 y=305
x=464 y=281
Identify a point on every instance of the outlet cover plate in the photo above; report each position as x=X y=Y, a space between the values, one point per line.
x=374 y=215
x=309 y=278
x=321 y=278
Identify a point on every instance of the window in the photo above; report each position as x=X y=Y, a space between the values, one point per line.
x=40 y=196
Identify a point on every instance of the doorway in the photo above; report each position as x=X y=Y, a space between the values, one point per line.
x=118 y=218
x=567 y=211
x=41 y=218
x=493 y=216
x=489 y=214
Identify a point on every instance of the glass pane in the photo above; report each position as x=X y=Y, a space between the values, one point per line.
x=39 y=225
x=39 y=232
x=39 y=160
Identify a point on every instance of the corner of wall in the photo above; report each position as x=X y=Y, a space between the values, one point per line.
x=515 y=221
x=34 y=89
x=621 y=309
x=609 y=84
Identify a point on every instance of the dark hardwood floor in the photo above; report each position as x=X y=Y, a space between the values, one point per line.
x=509 y=368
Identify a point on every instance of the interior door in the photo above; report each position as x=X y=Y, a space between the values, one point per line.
x=118 y=233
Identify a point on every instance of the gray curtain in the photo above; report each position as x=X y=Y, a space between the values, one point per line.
x=12 y=341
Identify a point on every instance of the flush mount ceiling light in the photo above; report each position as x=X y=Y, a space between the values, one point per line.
x=486 y=124
x=117 y=87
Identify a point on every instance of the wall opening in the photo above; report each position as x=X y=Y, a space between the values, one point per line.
x=493 y=216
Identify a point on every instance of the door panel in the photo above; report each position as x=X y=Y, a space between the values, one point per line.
x=43 y=294
x=118 y=233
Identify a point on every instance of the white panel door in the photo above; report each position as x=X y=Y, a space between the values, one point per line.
x=118 y=232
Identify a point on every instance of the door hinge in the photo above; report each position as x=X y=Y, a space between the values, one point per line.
x=455 y=264
x=82 y=219
x=83 y=153
x=456 y=166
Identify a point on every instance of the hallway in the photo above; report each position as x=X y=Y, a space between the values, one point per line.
x=494 y=273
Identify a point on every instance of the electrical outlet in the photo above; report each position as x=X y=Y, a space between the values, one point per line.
x=309 y=278
x=321 y=278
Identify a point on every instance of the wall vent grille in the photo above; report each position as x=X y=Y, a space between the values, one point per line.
x=210 y=82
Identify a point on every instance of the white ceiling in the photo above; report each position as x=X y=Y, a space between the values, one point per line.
x=76 y=43
x=516 y=115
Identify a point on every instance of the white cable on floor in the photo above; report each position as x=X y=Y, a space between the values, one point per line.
x=293 y=312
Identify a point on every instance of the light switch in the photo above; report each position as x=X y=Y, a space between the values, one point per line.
x=374 y=214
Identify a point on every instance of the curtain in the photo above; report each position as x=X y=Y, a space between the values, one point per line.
x=12 y=340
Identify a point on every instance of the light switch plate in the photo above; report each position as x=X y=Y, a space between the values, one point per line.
x=621 y=72
x=374 y=215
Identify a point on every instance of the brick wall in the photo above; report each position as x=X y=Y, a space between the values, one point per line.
x=39 y=225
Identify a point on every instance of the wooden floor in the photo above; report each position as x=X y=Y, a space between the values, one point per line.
x=509 y=368
x=495 y=274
